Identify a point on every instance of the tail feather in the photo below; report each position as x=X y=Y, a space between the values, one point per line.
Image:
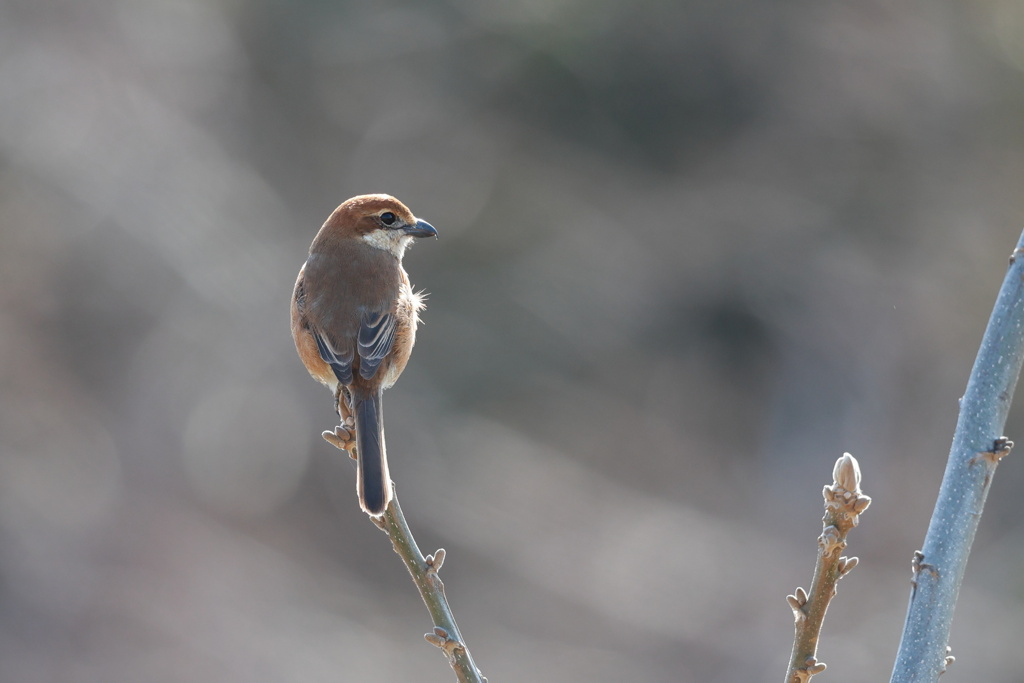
x=374 y=483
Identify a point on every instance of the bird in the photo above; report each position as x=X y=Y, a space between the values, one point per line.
x=353 y=319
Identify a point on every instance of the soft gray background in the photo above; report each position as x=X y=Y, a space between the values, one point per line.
x=690 y=253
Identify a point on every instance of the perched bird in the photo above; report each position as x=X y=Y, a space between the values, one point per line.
x=354 y=317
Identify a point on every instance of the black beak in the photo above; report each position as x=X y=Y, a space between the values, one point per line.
x=421 y=229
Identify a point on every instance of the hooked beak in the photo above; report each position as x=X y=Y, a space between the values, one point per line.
x=420 y=229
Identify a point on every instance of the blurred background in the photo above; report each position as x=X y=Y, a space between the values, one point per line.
x=691 y=252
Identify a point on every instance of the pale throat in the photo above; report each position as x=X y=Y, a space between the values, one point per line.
x=388 y=240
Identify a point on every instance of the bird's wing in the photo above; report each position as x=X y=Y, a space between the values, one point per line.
x=376 y=337
x=341 y=363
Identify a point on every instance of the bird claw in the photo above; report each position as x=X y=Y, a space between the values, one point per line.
x=343 y=437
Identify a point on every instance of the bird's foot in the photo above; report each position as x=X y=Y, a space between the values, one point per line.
x=343 y=437
x=342 y=400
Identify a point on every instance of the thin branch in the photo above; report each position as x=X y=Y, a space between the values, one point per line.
x=844 y=503
x=424 y=574
x=978 y=445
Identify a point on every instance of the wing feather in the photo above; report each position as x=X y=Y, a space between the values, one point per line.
x=376 y=337
x=341 y=363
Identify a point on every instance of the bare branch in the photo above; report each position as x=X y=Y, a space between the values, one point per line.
x=978 y=446
x=843 y=504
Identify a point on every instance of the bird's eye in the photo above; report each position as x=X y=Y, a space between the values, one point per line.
x=388 y=218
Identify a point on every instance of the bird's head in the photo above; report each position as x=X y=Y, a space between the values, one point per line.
x=379 y=220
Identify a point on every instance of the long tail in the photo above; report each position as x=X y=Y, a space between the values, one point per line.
x=374 y=484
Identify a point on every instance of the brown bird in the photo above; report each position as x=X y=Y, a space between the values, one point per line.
x=354 y=318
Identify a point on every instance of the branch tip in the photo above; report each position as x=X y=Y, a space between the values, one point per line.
x=846 y=473
x=844 y=502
